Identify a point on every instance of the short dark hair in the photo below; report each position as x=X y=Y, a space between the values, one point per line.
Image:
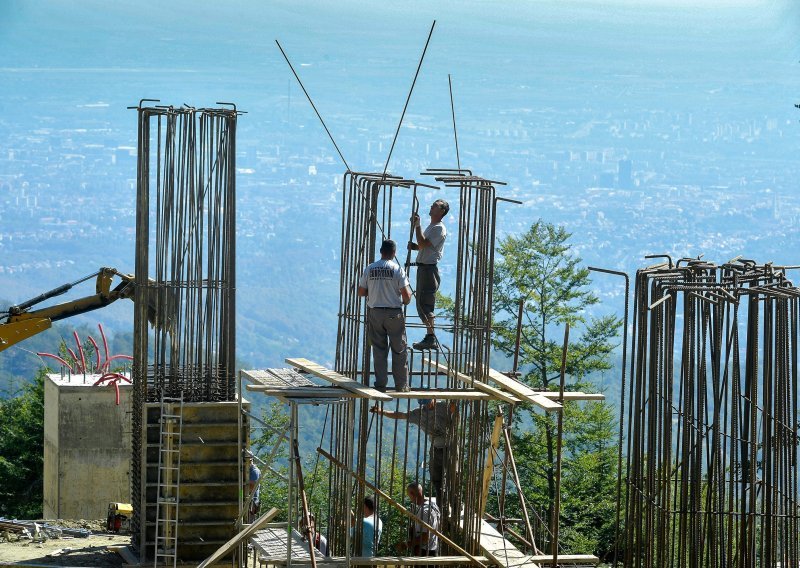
x=388 y=246
x=414 y=486
x=444 y=205
x=369 y=503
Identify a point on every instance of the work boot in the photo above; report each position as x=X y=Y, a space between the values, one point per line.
x=380 y=389
x=428 y=342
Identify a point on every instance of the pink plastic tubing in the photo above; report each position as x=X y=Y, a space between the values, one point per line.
x=57 y=358
x=96 y=351
x=74 y=357
x=80 y=350
x=105 y=343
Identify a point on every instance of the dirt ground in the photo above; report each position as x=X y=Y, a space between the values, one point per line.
x=65 y=551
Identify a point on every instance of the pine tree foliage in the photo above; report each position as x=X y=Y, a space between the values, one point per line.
x=540 y=269
x=22 y=451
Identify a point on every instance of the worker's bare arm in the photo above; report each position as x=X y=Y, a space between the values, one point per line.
x=362 y=292
x=422 y=242
x=389 y=414
x=405 y=293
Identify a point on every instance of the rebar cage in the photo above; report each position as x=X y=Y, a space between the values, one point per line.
x=185 y=269
x=712 y=418
x=389 y=454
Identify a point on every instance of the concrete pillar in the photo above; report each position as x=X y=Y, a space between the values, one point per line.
x=87 y=447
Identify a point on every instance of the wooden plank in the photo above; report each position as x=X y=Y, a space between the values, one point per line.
x=465 y=394
x=335 y=561
x=243 y=535
x=488 y=468
x=336 y=392
x=362 y=391
x=522 y=391
x=572 y=395
x=546 y=403
x=566 y=559
x=496 y=393
x=513 y=386
x=127 y=555
x=500 y=550
x=309 y=392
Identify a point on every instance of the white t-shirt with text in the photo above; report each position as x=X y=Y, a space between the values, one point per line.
x=383 y=280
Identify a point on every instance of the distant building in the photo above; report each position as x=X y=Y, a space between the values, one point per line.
x=624 y=180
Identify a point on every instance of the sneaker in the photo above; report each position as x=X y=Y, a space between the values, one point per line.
x=404 y=388
x=429 y=342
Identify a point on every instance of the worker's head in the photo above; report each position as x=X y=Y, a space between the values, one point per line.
x=439 y=209
x=414 y=492
x=388 y=249
x=369 y=506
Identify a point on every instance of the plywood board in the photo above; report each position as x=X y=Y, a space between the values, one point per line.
x=501 y=551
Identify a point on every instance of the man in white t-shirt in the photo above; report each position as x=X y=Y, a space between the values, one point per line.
x=430 y=245
x=385 y=285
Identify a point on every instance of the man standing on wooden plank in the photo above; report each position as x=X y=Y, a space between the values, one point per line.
x=385 y=285
x=430 y=245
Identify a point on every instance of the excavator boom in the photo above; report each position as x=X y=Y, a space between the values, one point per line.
x=22 y=323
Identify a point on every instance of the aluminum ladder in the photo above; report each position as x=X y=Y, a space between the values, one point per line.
x=169 y=481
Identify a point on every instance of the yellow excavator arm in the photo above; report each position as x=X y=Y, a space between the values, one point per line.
x=21 y=322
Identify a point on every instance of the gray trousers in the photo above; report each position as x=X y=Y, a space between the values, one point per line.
x=387 y=327
x=428 y=281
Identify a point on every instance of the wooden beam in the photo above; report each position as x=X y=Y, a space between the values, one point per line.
x=511 y=385
x=245 y=533
x=362 y=391
x=127 y=555
x=336 y=561
x=337 y=392
x=546 y=403
x=572 y=395
x=489 y=466
x=496 y=393
x=567 y=559
x=433 y=394
x=301 y=392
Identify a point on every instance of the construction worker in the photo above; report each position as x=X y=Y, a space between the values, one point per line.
x=254 y=476
x=430 y=245
x=372 y=527
x=435 y=419
x=385 y=285
x=422 y=541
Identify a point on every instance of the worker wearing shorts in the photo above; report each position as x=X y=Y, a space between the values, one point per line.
x=430 y=244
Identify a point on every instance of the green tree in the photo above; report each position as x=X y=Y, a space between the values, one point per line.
x=22 y=451
x=539 y=269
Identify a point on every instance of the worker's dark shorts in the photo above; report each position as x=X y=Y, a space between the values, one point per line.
x=427 y=283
